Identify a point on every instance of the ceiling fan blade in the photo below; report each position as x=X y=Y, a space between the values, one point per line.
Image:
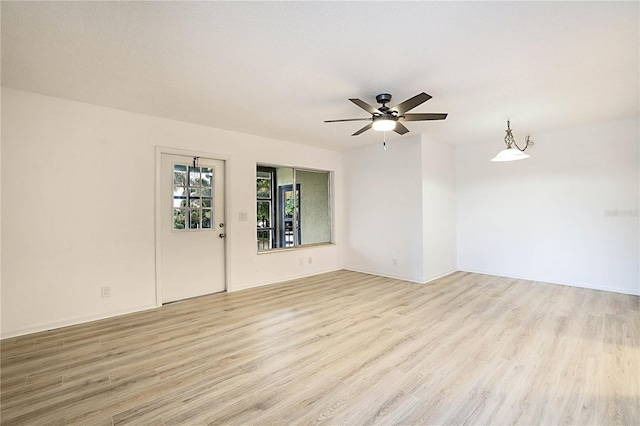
x=364 y=129
x=400 y=129
x=411 y=103
x=423 y=117
x=365 y=106
x=348 y=119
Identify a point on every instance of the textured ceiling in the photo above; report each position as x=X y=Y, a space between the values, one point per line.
x=278 y=69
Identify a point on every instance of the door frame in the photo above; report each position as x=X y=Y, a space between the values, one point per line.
x=158 y=210
x=296 y=215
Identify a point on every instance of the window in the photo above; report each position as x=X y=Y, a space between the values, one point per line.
x=265 y=176
x=192 y=197
x=288 y=219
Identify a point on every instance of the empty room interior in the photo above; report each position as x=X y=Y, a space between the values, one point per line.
x=338 y=213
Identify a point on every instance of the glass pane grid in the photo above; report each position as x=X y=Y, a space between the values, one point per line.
x=263 y=188
x=266 y=222
x=192 y=197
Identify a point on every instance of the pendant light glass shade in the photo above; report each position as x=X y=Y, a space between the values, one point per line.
x=383 y=124
x=510 y=154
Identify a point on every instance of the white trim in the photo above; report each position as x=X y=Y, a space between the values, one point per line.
x=395 y=277
x=285 y=279
x=398 y=277
x=74 y=321
x=579 y=285
x=437 y=277
x=159 y=150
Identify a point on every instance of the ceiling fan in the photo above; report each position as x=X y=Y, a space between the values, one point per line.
x=385 y=118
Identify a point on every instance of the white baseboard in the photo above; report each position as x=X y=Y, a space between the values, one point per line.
x=437 y=277
x=283 y=279
x=399 y=277
x=573 y=284
x=395 y=277
x=71 y=321
x=79 y=320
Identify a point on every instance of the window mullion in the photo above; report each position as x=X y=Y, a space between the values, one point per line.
x=295 y=210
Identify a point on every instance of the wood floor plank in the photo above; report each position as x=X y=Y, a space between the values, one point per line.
x=340 y=348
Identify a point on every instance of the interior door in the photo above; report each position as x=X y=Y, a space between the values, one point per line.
x=192 y=227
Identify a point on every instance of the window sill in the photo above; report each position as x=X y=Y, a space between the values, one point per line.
x=306 y=246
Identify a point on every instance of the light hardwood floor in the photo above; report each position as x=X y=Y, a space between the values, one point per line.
x=341 y=348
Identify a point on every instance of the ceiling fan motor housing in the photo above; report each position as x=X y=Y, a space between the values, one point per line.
x=383 y=98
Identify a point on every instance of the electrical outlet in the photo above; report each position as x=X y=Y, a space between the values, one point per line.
x=395 y=261
x=310 y=260
x=106 y=291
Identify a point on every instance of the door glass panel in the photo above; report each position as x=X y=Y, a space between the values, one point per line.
x=207 y=176
x=264 y=214
x=179 y=191
x=206 y=218
x=263 y=188
x=289 y=204
x=194 y=176
x=290 y=216
x=180 y=174
x=284 y=227
x=194 y=218
x=192 y=197
x=179 y=217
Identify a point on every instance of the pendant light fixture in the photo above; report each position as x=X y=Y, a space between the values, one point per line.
x=512 y=152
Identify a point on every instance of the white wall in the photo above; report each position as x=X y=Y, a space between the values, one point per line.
x=553 y=216
x=400 y=204
x=382 y=209
x=568 y=215
x=0 y=218
x=78 y=208
x=438 y=209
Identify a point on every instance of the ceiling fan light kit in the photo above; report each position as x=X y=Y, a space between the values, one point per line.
x=382 y=124
x=512 y=152
x=384 y=118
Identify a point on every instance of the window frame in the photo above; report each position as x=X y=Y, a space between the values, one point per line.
x=272 y=210
x=296 y=220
